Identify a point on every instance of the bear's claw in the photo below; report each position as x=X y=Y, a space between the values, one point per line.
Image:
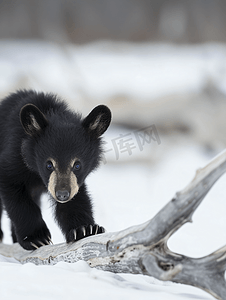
x=49 y=242
x=84 y=231
x=37 y=239
x=39 y=244
x=34 y=245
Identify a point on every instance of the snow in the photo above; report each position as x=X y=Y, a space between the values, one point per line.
x=65 y=281
x=102 y=71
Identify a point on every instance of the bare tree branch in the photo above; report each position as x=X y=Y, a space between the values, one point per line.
x=143 y=249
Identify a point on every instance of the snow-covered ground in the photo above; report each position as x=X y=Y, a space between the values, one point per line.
x=127 y=194
x=104 y=70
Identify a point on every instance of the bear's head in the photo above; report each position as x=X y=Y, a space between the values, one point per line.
x=63 y=148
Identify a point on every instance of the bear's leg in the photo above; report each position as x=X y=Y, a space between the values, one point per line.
x=1 y=232
x=36 y=195
x=75 y=217
x=14 y=238
x=29 y=228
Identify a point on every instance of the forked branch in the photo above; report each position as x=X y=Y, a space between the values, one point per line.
x=143 y=249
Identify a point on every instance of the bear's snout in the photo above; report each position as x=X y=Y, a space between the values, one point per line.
x=62 y=195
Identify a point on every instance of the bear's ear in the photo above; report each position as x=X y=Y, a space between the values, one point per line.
x=32 y=120
x=97 y=121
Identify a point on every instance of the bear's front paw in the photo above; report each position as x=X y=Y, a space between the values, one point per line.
x=39 y=238
x=83 y=231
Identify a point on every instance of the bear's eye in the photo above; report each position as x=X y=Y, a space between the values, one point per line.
x=49 y=165
x=77 y=166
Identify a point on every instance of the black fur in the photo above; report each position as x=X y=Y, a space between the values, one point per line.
x=25 y=147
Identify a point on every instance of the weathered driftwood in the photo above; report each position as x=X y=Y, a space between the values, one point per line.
x=143 y=249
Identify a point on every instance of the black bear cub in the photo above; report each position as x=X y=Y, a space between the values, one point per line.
x=45 y=147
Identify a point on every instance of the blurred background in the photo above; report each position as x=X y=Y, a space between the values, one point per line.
x=161 y=68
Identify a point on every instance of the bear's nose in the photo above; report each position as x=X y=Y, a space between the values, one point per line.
x=62 y=195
